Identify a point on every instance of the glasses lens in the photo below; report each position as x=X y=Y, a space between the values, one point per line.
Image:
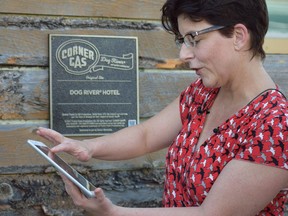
x=189 y=40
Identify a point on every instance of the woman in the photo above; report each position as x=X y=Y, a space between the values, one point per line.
x=230 y=156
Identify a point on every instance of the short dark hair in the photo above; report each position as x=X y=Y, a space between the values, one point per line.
x=251 y=13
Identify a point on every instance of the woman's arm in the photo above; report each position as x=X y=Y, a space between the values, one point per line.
x=154 y=134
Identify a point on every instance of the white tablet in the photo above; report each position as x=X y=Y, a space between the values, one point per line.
x=83 y=184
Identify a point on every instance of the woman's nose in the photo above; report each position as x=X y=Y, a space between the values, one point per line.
x=186 y=53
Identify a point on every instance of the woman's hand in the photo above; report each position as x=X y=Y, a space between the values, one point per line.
x=78 y=149
x=100 y=205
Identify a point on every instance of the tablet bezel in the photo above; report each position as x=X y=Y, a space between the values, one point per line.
x=84 y=190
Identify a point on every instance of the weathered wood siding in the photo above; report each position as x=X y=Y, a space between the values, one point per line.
x=28 y=185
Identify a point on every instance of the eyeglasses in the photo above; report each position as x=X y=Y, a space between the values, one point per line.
x=189 y=38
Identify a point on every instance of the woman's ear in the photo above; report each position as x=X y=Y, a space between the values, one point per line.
x=241 y=37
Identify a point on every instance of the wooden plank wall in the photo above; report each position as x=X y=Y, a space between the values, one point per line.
x=24 y=97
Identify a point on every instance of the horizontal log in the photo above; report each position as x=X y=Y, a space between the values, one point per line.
x=16 y=156
x=30 y=47
x=157 y=90
x=60 y=22
x=128 y=9
x=25 y=85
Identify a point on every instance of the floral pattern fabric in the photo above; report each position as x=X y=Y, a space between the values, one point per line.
x=256 y=133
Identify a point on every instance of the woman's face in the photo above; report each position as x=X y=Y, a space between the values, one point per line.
x=213 y=55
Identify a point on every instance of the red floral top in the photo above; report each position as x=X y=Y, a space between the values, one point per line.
x=257 y=133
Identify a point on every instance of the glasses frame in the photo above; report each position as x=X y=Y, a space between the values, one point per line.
x=191 y=41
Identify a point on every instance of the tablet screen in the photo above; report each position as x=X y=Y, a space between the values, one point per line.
x=67 y=168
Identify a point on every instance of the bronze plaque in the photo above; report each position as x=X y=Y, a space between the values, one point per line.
x=93 y=84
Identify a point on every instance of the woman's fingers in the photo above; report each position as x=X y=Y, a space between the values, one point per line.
x=100 y=194
x=94 y=206
x=57 y=139
x=50 y=135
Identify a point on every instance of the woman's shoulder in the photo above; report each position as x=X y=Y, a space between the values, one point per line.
x=271 y=102
x=269 y=115
x=264 y=134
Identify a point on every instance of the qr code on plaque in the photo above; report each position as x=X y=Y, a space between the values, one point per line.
x=132 y=122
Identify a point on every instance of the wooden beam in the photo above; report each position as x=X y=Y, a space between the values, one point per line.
x=16 y=156
x=126 y=9
x=30 y=47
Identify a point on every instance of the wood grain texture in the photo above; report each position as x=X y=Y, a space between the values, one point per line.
x=24 y=94
x=30 y=47
x=128 y=9
x=157 y=90
x=16 y=156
